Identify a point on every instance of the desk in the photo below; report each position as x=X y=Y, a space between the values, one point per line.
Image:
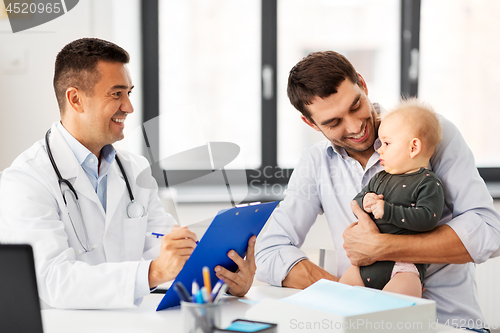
x=145 y=319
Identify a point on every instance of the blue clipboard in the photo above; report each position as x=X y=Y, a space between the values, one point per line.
x=230 y=230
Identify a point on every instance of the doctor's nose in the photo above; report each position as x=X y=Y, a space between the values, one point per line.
x=127 y=105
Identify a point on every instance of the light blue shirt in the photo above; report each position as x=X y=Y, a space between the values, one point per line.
x=326 y=180
x=97 y=176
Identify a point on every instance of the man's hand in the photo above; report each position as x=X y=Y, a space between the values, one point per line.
x=304 y=274
x=240 y=282
x=360 y=238
x=373 y=203
x=176 y=247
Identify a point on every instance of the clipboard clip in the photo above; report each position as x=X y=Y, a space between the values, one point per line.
x=248 y=204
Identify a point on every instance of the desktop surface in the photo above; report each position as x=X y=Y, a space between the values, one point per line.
x=145 y=318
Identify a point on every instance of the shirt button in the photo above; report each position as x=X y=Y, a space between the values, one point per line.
x=91 y=160
x=353 y=162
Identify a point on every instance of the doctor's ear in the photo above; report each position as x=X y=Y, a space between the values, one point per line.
x=74 y=99
x=415 y=147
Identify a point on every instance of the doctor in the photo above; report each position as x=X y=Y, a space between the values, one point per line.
x=74 y=198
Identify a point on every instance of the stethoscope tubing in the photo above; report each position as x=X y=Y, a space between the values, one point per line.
x=133 y=205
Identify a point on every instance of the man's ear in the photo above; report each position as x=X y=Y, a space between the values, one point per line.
x=309 y=122
x=363 y=84
x=415 y=147
x=74 y=97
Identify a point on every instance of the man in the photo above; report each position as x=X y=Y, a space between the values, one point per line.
x=90 y=256
x=333 y=99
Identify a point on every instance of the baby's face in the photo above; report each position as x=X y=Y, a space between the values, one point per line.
x=395 y=137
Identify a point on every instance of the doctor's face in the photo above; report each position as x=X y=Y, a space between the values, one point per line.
x=107 y=107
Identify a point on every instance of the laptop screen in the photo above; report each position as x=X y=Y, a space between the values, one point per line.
x=19 y=302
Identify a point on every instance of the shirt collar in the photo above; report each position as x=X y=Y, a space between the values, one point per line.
x=334 y=149
x=81 y=152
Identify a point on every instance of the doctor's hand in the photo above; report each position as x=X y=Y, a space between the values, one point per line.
x=176 y=247
x=361 y=240
x=239 y=282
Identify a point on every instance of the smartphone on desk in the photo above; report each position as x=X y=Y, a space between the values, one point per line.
x=243 y=325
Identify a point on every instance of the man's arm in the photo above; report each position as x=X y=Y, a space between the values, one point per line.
x=474 y=218
x=364 y=244
x=305 y=273
x=278 y=250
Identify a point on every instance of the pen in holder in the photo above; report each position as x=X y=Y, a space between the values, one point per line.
x=200 y=317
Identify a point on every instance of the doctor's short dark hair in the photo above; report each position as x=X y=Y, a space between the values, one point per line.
x=76 y=65
x=318 y=74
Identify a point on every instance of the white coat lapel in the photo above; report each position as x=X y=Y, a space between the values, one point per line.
x=69 y=167
x=116 y=192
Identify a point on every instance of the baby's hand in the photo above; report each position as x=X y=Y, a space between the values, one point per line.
x=378 y=209
x=371 y=199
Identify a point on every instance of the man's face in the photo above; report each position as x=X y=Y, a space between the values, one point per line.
x=107 y=107
x=346 y=118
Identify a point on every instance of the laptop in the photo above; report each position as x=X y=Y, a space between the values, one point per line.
x=19 y=302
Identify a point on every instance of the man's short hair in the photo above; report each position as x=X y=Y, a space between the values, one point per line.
x=76 y=65
x=318 y=74
x=421 y=119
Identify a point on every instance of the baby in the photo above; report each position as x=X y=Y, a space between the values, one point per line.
x=404 y=198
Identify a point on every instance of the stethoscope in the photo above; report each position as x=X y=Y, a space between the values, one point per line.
x=134 y=208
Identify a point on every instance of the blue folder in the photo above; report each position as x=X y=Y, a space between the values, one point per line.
x=230 y=230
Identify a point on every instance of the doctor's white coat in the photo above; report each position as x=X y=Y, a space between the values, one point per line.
x=33 y=212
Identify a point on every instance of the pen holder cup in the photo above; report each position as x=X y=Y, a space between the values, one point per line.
x=200 y=318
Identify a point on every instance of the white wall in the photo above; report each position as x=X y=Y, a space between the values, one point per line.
x=27 y=102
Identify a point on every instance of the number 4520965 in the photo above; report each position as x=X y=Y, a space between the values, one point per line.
x=32 y=8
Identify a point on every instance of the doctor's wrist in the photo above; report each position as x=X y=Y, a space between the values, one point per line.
x=155 y=277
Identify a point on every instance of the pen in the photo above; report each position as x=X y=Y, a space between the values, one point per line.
x=199 y=297
x=206 y=280
x=157 y=235
x=194 y=289
x=221 y=292
x=154 y=234
x=216 y=288
x=182 y=292
x=205 y=295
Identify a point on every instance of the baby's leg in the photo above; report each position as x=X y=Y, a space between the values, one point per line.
x=405 y=279
x=352 y=277
x=406 y=284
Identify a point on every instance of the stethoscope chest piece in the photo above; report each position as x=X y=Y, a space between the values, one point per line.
x=135 y=210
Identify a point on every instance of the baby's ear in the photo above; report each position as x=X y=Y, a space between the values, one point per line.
x=415 y=147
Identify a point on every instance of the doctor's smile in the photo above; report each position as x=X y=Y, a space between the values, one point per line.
x=118 y=120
